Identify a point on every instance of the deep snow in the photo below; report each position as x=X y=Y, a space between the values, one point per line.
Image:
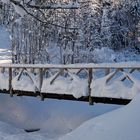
x=121 y=124
x=54 y=117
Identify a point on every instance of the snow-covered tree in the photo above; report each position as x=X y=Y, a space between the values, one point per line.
x=70 y=31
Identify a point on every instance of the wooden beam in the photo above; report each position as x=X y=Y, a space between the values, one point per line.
x=112 y=75
x=107 y=71
x=105 y=100
x=131 y=71
x=57 y=74
x=40 y=79
x=28 y=74
x=89 y=86
x=10 y=82
x=40 y=83
x=20 y=74
x=73 y=66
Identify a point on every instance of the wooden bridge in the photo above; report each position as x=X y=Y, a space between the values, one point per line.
x=44 y=81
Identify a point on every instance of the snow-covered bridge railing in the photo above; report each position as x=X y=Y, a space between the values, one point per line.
x=115 y=83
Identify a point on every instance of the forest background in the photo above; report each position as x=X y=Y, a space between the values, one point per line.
x=71 y=31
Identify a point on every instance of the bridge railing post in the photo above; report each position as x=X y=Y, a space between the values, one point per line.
x=41 y=82
x=107 y=71
x=89 y=86
x=10 y=82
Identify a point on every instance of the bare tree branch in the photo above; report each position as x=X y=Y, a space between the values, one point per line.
x=38 y=19
x=55 y=6
x=52 y=6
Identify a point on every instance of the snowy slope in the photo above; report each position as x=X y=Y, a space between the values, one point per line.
x=5 y=53
x=121 y=124
x=8 y=132
x=53 y=117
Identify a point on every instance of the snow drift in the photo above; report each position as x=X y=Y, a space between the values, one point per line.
x=121 y=124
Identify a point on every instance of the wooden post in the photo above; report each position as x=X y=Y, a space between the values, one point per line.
x=14 y=72
x=10 y=82
x=59 y=73
x=46 y=73
x=32 y=70
x=41 y=82
x=107 y=71
x=131 y=71
x=89 y=84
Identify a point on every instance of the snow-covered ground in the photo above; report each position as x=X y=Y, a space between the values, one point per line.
x=55 y=118
x=5 y=53
x=58 y=120
x=121 y=124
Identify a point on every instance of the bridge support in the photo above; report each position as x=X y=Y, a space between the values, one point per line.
x=10 y=82
x=89 y=86
x=40 y=83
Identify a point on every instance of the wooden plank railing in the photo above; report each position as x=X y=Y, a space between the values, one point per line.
x=60 y=70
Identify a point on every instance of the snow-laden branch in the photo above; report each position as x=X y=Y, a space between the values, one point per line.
x=56 y=6
x=72 y=5
x=23 y=9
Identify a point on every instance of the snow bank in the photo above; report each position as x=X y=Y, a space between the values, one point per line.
x=53 y=117
x=8 y=132
x=26 y=137
x=116 y=88
x=25 y=83
x=121 y=124
x=3 y=81
x=71 y=86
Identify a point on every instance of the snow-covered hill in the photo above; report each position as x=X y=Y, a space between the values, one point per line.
x=121 y=124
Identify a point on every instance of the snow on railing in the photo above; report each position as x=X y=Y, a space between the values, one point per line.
x=117 y=80
x=127 y=65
